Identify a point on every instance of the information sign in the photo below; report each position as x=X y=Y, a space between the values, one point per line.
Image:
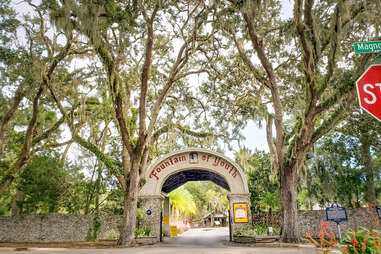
x=149 y=212
x=173 y=231
x=336 y=213
x=240 y=212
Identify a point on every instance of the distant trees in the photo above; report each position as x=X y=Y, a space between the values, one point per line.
x=208 y=198
x=343 y=165
x=263 y=182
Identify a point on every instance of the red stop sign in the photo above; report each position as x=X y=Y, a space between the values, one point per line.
x=369 y=90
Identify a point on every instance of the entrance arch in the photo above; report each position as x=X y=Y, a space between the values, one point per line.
x=169 y=172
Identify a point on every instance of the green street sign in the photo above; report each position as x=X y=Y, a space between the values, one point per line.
x=367 y=47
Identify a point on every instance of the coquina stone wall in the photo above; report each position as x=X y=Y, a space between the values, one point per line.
x=54 y=228
x=310 y=221
x=67 y=228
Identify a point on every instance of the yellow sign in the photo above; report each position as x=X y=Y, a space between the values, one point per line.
x=240 y=212
x=173 y=231
x=166 y=220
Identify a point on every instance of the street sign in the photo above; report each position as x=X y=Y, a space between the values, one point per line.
x=369 y=90
x=367 y=47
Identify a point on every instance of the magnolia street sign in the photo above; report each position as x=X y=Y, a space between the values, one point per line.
x=367 y=47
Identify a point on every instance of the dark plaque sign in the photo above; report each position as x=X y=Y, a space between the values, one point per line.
x=336 y=213
x=378 y=209
x=149 y=212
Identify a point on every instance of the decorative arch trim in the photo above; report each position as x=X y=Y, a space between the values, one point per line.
x=196 y=160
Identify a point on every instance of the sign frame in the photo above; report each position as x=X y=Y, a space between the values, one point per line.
x=337 y=220
x=371 y=47
x=240 y=206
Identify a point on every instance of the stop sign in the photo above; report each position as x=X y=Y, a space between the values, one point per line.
x=369 y=90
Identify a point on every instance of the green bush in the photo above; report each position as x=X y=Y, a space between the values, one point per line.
x=362 y=241
x=145 y=231
x=256 y=231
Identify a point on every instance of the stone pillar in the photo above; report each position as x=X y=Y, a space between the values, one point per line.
x=167 y=216
x=152 y=219
x=239 y=198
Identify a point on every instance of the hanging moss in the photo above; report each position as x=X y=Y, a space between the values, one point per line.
x=109 y=163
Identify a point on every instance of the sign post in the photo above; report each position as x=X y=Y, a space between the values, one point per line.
x=369 y=90
x=336 y=214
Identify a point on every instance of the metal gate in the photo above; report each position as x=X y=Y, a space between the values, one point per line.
x=230 y=227
x=161 y=226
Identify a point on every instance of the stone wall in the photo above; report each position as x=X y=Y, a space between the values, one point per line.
x=54 y=228
x=152 y=203
x=67 y=228
x=311 y=220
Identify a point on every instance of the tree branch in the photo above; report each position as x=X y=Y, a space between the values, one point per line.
x=144 y=79
x=24 y=155
x=19 y=95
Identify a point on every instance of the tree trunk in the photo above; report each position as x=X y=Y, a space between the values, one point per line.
x=367 y=161
x=290 y=231
x=269 y=216
x=17 y=203
x=127 y=235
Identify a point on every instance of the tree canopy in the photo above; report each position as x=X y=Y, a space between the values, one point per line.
x=92 y=91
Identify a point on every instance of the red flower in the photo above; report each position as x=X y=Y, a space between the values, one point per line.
x=354 y=241
x=321 y=235
x=308 y=233
x=365 y=240
x=345 y=249
x=377 y=243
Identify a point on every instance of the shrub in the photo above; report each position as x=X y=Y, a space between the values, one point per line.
x=362 y=241
x=145 y=231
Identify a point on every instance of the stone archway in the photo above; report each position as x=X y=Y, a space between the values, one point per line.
x=175 y=169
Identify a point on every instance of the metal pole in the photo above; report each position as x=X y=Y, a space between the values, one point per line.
x=230 y=227
x=338 y=226
x=161 y=226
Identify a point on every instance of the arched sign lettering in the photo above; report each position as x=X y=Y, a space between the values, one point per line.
x=194 y=160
